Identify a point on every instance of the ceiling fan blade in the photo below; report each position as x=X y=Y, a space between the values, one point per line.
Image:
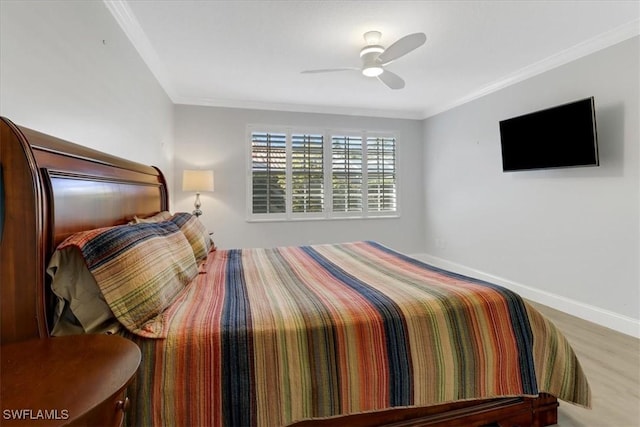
x=328 y=70
x=403 y=46
x=391 y=80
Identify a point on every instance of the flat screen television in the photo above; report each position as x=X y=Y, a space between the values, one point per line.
x=557 y=137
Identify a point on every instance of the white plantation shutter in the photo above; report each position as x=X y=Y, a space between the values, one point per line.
x=307 y=173
x=268 y=172
x=296 y=175
x=346 y=173
x=381 y=174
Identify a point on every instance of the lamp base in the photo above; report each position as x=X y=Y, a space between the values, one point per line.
x=197 y=212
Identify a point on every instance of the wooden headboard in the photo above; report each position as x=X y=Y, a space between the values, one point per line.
x=49 y=189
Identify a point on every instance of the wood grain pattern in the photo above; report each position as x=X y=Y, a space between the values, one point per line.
x=22 y=242
x=511 y=412
x=79 y=378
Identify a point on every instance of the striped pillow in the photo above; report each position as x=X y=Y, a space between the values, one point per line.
x=195 y=232
x=140 y=269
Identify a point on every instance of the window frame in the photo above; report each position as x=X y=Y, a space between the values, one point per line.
x=327 y=213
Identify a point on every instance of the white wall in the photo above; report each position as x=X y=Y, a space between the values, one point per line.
x=67 y=69
x=210 y=137
x=567 y=237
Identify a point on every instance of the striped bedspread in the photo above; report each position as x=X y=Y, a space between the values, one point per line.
x=267 y=337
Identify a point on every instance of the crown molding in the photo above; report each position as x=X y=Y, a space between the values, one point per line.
x=587 y=47
x=126 y=19
x=299 y=108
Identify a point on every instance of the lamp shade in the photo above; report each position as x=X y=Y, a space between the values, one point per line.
x=197 y=180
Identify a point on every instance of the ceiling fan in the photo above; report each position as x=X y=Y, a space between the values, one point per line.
x=375 y=57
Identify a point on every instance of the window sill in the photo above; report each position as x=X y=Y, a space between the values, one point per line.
x=333 y=218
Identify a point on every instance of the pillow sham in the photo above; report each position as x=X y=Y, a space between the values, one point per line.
x=80 y=308
x=195 y=232
x=159 y=217
x=140 y=269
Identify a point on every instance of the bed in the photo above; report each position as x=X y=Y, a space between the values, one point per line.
x=351 y=334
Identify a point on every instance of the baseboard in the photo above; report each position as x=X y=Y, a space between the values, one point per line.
x=624 y=324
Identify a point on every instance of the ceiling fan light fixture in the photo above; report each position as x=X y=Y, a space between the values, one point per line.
x=372 y=71
x=369 y=54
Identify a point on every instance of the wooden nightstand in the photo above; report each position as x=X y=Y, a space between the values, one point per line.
x=76 y=380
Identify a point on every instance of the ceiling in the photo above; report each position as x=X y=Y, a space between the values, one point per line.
x=250 y=54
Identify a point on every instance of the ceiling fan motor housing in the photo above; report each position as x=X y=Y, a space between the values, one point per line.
x=369 y=55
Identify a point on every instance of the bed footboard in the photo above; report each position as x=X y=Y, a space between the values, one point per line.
x=511 y=412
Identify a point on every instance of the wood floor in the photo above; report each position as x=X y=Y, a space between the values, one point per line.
x=611 y=361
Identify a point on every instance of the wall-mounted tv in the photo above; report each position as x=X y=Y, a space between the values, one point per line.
x=557 y=137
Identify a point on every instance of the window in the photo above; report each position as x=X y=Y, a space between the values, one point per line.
x=381 y=174
x=268 y=166
x=321 y=175
x=346 y=173
x=307 y=173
